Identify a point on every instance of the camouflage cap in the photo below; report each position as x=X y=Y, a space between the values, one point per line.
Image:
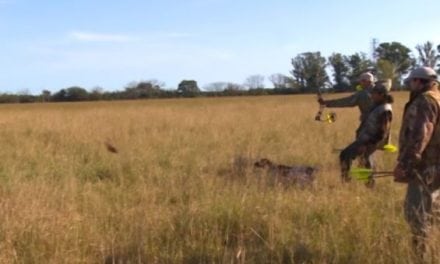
x=426 y=73
x=382 y=86
x=366 y=76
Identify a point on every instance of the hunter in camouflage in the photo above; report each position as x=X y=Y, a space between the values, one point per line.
x=418 y=163
x=361 y=99
x=374 y=131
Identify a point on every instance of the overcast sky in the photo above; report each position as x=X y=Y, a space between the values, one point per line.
x=53 y=44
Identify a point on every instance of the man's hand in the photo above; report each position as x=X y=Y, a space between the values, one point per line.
x=400 y=175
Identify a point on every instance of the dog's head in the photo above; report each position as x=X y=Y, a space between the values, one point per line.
x=311 y=170
x=263 y=163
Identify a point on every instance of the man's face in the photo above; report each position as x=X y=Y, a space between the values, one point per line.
x=415 y=84
x=365 y=84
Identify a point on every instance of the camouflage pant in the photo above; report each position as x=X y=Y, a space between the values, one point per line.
x=352 y=152
x=422 y=205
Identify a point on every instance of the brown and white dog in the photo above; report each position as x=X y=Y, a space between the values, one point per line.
x=296 y=175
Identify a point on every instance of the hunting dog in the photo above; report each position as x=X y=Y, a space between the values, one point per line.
x=296 y=175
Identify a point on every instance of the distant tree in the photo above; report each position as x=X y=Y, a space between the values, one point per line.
x=309 y=71
x=70 y=94
x=147 y=89
x=144 y=89
x=340 y=70
x=9 y=98
x=45 y=95
x=299 y=71
x=258 y=91
x=216 y=86
x=438 y=52
x=76 y=93
x=358 y=63
x=398 y=55
x=280 y=80
x=156 y=84
x=234 y=87
x=254 y=81
x=60 y=96
x=97 y=93
x=428 y=55
x=386 y=70
x=188 y=88
x=24 y=96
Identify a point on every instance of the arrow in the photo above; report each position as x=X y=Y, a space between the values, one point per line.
x=363 y=174
x=387 y=148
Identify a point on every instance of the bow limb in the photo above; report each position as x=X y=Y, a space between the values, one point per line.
x=321 y=106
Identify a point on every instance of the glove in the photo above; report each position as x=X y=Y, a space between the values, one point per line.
x=321 y=101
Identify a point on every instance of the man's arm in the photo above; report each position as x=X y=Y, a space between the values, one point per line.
x=349 y=101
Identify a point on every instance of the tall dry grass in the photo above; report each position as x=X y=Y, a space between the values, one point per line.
x=172 y=194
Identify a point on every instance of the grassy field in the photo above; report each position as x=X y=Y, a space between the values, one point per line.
x=172 y=194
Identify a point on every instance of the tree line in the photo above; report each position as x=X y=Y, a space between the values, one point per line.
x=310 y=71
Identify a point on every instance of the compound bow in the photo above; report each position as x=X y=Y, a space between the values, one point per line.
x=329 y=117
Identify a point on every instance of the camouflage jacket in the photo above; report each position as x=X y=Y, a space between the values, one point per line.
x=361 y=99
x=419 y=140
x=375 y=129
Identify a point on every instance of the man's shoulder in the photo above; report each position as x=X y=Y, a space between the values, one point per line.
x=427 y=100
x=431 y=97
x=425 y=103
